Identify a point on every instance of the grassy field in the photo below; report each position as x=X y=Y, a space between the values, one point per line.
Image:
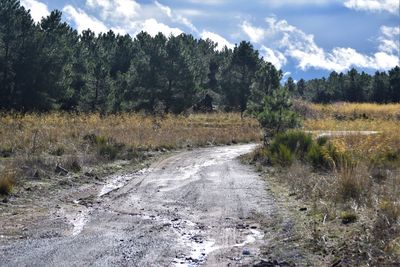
x=360 y=117
x=350 y=183
x=353 y=199
x=32 y=143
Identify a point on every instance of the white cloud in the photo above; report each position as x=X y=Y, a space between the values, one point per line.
x=176 y=17
x=38 y=9
x=391 y=6
x=153 y=27
x=390 y=40
x=254 y=33
x=125 y=17
x=192 y=12
x=287 y=41
x=221 y=41
x=275 y=57
x=115 y=10
x=83 y=21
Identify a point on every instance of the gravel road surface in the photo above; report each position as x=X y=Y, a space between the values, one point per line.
x=200 y=207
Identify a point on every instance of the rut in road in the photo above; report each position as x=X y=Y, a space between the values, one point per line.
x=200 y=207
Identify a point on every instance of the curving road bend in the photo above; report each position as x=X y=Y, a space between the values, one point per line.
x=200 y=207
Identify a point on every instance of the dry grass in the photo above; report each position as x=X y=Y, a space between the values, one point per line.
x=382 y=118
x=359 y=200
x=60 y=133
x=357 y=110
x=36 y=143
x=7 y=180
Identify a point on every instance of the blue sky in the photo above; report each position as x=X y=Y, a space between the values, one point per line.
x=305 y=38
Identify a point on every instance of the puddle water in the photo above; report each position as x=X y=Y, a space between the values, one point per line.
x=116 y=182
x=251 y=238
x=78 y=220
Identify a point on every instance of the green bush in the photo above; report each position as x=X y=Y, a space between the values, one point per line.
x=287 y=146
x=108 y=151
x=283 y=156
x=107 y=148
x=297 y=142
x=315 y=156
x=322 y=140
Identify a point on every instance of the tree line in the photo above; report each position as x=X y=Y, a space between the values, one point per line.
x=50 y=66
x=382 y=87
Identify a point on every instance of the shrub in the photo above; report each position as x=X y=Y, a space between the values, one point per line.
x=282 y=156
x=107 y=148
x=261 y=155
x=296 y=141
x=277 y=115
x=315 y=156
x=354 y=183
x=72 y=164
x=322 y=140
x=108 y=151
x=6 y=182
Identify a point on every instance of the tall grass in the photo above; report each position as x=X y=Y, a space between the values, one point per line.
x=62 y=133
x=359 y=182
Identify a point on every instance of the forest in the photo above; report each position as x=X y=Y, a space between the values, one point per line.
x=50 y=66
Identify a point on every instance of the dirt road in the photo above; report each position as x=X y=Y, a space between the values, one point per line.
x=200 y=207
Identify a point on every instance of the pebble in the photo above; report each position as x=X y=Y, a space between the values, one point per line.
x=246 y=252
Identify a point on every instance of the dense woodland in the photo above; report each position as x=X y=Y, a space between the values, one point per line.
x=49 y=66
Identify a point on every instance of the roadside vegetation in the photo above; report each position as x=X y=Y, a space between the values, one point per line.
x=42 y=145
x=350 y=183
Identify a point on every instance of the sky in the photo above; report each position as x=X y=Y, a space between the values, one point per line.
x=304 y=38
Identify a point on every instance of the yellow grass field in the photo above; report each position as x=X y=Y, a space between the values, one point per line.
x=43 y=133
x=360 y=117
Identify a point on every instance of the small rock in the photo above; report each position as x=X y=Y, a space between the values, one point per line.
x=246 y=252
x=5 y=200
x=303 y=209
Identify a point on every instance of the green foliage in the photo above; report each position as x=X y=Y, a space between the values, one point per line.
x=277 y=115
x=282 y=156
x=316 y=156
x=106 y=148
x=297 y=142
x=322 y=140
x=266 y=80
x=290 y=145
x=108 y=151
x=325 y=156
x=49 y=66
x=382 y=87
